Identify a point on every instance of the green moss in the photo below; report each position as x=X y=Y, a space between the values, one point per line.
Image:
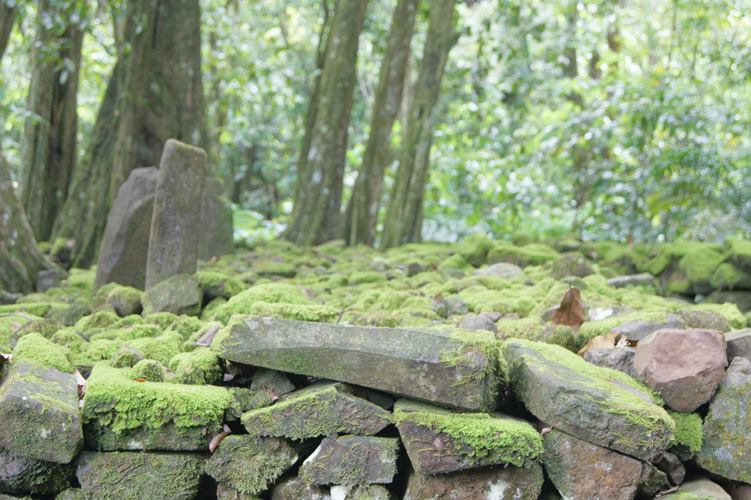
x=319 y=313
x=592 y=329
x=126 y=357
x=35 y=348
x=133 y=319
x=127 y=333
x=161 y=348
x=162 y=319
x=456 y=261
x=729 y=277
x=148 y=370
x=198 y=367
x=271 y=293
x=728 y=310
x=96 y=322
x=739 y=252
x=215 y=285
x=119 y=402
x=270 y=267
x=534 y=254
x=475 y=248
x=208 y=313
x=36 y=309
x=186 y=326
x=525 y=328
x=359 y=277
x=69 y=339
x=688 y=430
x=102 y=349
x=479 y=434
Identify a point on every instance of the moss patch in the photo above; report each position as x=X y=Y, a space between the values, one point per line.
x=688 y=430
x=35 y=348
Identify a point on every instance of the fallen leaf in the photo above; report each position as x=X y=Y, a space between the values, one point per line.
x=82 y=383
x=141 y=380
x=606 y=341
x=218 y=438
x=571 y=311
x=545 y=431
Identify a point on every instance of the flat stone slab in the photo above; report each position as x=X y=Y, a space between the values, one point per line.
x=352 y=460
x=324 y=409
x=139 y=476
x=440 y=441
x=585 y=471
x=727 y=427
x=250 y=464
x=39 y=413
x=122 y=414
x=457 y=371
x=602 y=406
x=493 y=483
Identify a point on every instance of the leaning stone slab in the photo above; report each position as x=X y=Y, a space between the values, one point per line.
x=325 y=409
x=216 y=229
x=602 y=406
x=122 y=414
x=586 y=471
x=20 y=474
x=250 y=464
x=352 y=460
x=39 y=413
x=173 y=240
x=739 y=344
x=139 y=476
x=727 y=427
x=496 y=483
x=125 y=244
x=440 y=441
x=457 y=371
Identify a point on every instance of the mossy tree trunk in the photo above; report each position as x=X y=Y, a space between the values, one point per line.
x=315 y=218
x=49 y=152
x=403 y=221
x=361 y=216
x=154 y=93
x=7 y=19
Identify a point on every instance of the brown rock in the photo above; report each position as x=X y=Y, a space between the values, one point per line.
x=684 y=366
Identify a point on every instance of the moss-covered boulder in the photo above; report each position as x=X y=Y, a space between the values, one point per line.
x=475 y=248
x=214 y=285
x=739 y=252
x=602 y=406
x=39 y=411
x=250 y=464
x=533 y=254
x=440 y=441
x=571 y=264
x=37 y=349
x=125 y=300
x=180 y=294
x=161 y=348
x=147 y=370
x=270 y=293
x=139 y=476
x=198 y=367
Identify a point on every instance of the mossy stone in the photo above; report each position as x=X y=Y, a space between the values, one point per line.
x=180 y=294
x=475 y=248
x=198 y=367
x=147 y=370
x=127 y=357
x=37 y=349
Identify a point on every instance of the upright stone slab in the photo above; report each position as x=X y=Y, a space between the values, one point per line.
x=216 y=221
x=125 y=244
x=39 y=413
x=175 y=223
x=451 y=370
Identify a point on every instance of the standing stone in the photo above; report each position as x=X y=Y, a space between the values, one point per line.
x=727 y=427
x=452 y=370
x=139 y=476
x=684 y=366
x=39 y=413
x=440 y=441
x=352 y=460
x=216 y=228
x=586 y=471
x=173 y=240
x=496 y=483
x=125 y=245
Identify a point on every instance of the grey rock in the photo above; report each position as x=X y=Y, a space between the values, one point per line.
x=125 y=300
x=216 y=228
x=139 y=476
x=39 y=412
x=125 y=244
x=638 y=329
x=618 y=358
x=708 y=320
x=741 y=298
x=598 y=405
x=180 y=294
x=571 y=264
x=20 y=474
x=479 y=322
x=352 y=460
x=496 y=483
x=500 y=270
x=432 y=366
x=586 y=471
x=272 y=381
x=642 y=279
x=698 y=489
x=224 y=492
x=48 y=278
x=727 y=426
x=295 y=488
x=739 y=344
x=173 y=239
x=455 y=305
x=671 y=465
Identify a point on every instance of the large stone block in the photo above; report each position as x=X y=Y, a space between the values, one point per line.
x=173 y=240
x=125 y=244
x=216 y=230
x=450 y=370
x=351 y=461
x=39 y=413
x=599 y=405
x=139 y=476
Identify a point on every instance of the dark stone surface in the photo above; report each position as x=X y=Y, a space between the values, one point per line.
x=180 y=294
x=19 y=474
x=216 y=221
x=352 y=460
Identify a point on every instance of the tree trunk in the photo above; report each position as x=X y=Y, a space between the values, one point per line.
x=318 y=199
x=361 y=216
x=403 y=221
x=7 y=19
x=154 y=93
x=49 y=152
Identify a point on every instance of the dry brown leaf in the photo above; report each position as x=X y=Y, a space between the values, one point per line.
x=571 y=311
x=606 y=341
x=140 y=380
x=218 y=438
x=82 y=383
